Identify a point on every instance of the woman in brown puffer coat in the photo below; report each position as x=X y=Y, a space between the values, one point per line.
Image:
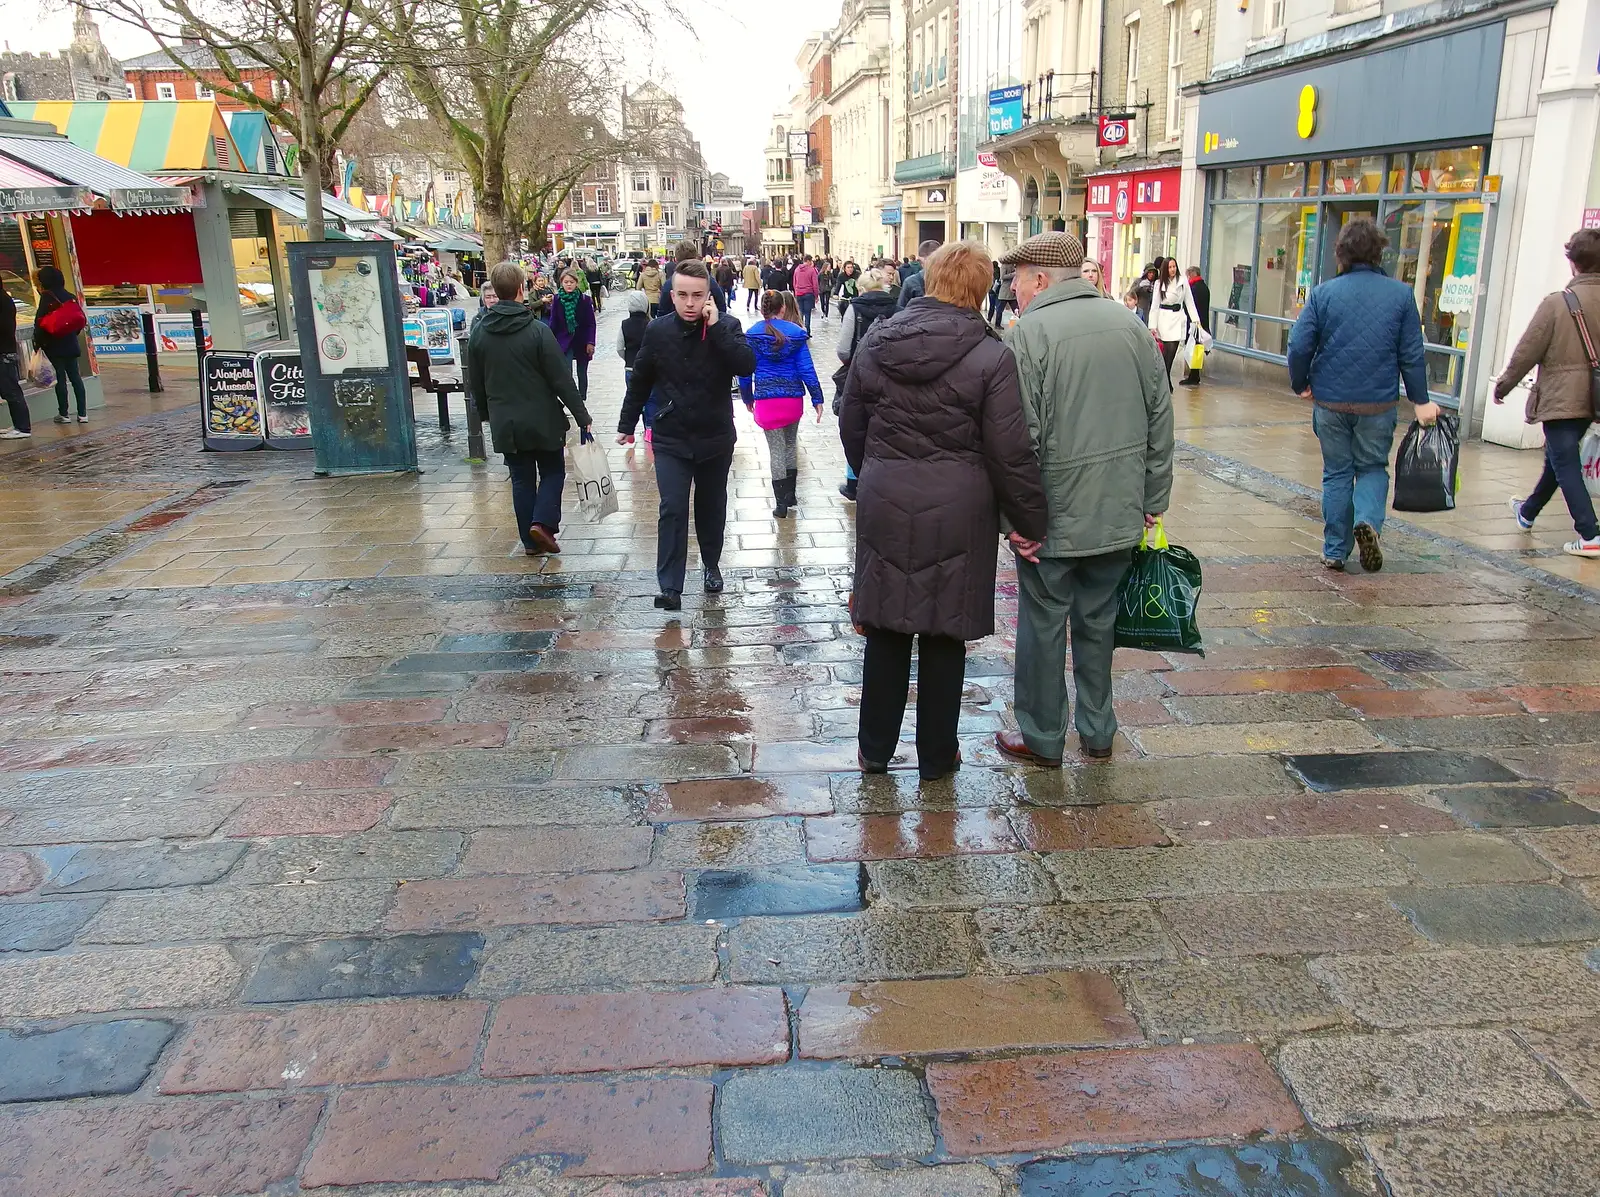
x=932 y=422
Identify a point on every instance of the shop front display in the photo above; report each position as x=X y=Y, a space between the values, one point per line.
x=1406 y=146
x=1134 y=219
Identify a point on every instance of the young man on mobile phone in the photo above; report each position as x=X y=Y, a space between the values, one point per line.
x=689 y=358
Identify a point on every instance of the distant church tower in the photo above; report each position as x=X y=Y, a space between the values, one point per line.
x=95 y=74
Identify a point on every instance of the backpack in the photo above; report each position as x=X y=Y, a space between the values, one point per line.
x=67 y=320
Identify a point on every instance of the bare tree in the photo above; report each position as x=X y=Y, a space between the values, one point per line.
x=323 y=50
x=472 y=63
x=560 y=135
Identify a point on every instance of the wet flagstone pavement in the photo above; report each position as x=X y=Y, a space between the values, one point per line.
x=340 y=847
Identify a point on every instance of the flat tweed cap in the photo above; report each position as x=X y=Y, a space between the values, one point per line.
x=1047 y=249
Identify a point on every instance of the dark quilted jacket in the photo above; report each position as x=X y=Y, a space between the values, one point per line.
x=932 y=422
x=1358 y=337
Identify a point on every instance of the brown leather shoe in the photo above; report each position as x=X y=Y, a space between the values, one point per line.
x=542 y=539
x=1013 y=745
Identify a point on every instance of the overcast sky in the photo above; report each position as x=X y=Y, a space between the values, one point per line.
x=732 y=72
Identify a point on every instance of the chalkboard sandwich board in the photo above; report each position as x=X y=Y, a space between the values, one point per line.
x=230 y=406
x=281 y=383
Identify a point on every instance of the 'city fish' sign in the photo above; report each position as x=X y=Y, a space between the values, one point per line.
x=17 y=201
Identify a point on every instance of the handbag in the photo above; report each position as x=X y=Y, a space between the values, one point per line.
x=67 y=320
x=1588 y=348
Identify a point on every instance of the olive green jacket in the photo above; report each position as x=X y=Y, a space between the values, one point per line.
x=1099 y=408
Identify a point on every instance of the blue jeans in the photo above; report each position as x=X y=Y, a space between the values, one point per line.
x=806 y=302
x=1355 y=474
x=1563 y=469
x=537 y=480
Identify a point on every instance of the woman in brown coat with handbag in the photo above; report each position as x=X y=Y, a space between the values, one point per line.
x=932 y=422
x=1562 y=340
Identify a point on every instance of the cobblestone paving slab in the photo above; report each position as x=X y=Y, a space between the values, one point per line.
x=1361 y=1080
x=155 y=1149
x=1304 y=1168
x=770 y=1117
x=1556 y=1158
x=96 y=982
x=93 y=1059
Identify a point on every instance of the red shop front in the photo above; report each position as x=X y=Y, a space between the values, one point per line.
x=1133 y=216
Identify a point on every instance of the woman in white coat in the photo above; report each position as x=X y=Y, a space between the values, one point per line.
x=1172 y=311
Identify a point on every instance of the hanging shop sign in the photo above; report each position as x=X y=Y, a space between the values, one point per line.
x=1116 y=129
x=937 y=195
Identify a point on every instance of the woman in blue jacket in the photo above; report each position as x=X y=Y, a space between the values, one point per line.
x=775 y=393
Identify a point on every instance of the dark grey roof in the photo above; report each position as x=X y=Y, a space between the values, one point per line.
x=195 y=56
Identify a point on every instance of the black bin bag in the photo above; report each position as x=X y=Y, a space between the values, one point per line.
x=1427 y=467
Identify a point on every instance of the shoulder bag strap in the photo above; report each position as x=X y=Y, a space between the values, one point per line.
x=1583 y=328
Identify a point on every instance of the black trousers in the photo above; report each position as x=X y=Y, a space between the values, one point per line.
x=885 y=681
x=674 y=477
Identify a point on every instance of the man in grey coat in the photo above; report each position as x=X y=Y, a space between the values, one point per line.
x=1099 y=409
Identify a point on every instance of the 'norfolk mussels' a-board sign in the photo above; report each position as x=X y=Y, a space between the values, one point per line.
x=281 y=383
x=231 y=408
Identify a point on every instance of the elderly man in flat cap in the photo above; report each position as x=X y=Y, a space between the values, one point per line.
x=1099 y=407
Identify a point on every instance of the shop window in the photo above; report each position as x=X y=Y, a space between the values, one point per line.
x=1233 y=242
x=1356 y=176
x=1239 y=182
x=1132 y=91
x=1434 y=248
x=1448 y=170
x=1314 y=179
x=1284 y=180
x=1284 y=257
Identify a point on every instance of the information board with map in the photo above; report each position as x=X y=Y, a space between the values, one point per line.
x=347 y=307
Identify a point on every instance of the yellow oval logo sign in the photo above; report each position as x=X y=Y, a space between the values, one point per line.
x=1307 y=124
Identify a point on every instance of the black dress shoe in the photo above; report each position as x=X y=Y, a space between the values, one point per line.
x=713 y=580
x=669 y=600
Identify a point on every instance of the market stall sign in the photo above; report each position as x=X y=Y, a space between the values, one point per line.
x=230 y=406
x=116 y=330
x=24 y=201
x=148 y=199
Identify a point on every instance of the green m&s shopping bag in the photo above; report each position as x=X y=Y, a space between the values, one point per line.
x=1158 y=597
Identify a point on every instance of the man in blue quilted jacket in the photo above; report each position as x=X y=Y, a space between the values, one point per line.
x=1357 y=341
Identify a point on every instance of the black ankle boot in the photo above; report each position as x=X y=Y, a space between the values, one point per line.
x=713 y=580
x=791 y=482
x=780 y=493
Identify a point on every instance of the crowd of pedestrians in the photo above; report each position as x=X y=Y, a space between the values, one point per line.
x=1055 y=439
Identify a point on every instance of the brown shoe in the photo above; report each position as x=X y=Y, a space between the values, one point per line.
x=543 y=541
x=1013 y=745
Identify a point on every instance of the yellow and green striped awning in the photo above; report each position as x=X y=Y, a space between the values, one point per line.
x=143 y=135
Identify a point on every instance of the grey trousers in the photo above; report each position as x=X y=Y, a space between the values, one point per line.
x=1080 y=592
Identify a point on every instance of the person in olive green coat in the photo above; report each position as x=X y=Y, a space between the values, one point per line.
x=518 y=377
x=1099 y=408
